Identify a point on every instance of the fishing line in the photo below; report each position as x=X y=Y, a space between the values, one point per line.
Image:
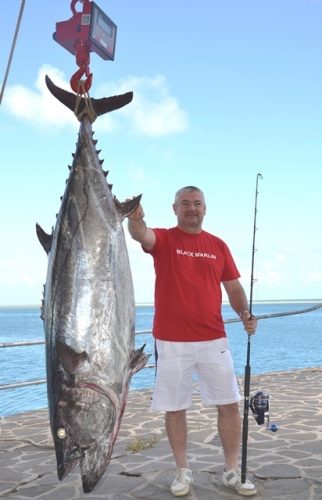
x=22 y=6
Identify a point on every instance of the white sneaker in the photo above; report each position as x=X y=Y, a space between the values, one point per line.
x=181 y=483
x=232 y=479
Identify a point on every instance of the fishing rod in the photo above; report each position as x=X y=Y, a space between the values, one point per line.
x=259 y=402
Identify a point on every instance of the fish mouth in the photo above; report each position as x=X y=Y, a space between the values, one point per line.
x=67 y=465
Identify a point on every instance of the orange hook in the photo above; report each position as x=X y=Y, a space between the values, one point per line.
x=75 y=81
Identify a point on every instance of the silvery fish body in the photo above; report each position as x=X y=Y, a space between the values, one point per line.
x=88 y=312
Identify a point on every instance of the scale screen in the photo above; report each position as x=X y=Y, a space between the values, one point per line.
x=103 y=33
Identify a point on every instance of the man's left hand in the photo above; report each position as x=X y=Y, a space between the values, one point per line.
x=249 y=322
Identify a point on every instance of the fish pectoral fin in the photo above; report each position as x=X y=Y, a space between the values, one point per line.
x=69 y=358
x=138 y=359
x=125 y=208
x=44 y=238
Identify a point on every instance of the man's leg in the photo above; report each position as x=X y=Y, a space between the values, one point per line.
x=176 y=427
x=229 y=428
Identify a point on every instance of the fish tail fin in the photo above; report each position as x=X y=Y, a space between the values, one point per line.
x=100 y=106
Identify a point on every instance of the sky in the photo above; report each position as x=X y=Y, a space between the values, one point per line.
x=223 y=90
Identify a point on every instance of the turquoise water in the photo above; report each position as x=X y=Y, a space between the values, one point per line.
x=280 y=344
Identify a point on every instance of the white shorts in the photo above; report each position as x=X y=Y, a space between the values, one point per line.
x=210 y=360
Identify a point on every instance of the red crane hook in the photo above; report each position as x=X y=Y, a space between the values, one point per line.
x=82 y=53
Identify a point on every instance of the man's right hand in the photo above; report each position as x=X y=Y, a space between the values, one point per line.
x=137 y=214
x=138 y=229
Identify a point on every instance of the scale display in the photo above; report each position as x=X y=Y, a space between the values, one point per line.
x=102 y=33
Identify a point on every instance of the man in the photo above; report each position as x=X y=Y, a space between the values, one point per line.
x=190 y=265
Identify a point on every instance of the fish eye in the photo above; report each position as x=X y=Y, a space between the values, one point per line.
x=61 y=433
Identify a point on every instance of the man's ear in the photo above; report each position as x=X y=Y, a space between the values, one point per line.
x=174 y=206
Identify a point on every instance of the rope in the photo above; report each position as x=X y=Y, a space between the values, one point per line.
x=22 y=5
x=88 y=108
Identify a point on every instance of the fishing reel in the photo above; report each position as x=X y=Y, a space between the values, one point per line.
x=259 y=404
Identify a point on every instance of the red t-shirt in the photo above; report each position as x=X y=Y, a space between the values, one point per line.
x=189 y=270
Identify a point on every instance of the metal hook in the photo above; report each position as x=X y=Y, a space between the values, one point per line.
x=74 y=2
x=76 y=80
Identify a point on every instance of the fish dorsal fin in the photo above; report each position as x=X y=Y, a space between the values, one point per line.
x=125 y=208
x=44 y=238
x=69 y=358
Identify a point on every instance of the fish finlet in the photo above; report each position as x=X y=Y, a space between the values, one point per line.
x=42 y=308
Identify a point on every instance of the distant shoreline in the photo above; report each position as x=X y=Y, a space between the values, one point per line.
x=148 y=304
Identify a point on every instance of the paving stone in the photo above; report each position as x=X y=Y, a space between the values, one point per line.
x=280 y=471
x=286 y=465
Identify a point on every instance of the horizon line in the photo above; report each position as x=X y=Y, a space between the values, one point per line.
x=151 y=304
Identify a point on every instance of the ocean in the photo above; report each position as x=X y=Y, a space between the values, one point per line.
x=280 y=344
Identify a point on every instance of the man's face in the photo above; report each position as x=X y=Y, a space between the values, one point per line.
x=190 y=210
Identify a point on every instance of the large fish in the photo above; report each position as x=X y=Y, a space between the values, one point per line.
x=88 y=309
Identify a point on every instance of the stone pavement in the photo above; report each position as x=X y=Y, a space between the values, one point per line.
x=285 y=465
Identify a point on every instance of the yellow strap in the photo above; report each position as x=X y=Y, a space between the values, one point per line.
x=88 y=108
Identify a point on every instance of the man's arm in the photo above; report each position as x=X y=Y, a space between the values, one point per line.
x=238 y=301
x=139 y=230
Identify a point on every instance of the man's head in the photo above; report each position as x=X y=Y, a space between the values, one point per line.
x=190 y=208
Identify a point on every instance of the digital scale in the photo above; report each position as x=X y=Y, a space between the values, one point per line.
x=91 y=27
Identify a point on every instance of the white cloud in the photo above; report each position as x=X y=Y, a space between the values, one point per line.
x=153 y=111
x=137 y=174
x=23 y=268
x=142 y=271
x=314 y=277
x=39 y=106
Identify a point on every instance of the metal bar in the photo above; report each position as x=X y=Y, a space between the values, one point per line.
x=25 y=383
x=38 y=342
x=144 y=332
x=21 y=343
x=39 y=381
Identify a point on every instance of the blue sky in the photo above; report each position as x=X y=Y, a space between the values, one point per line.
x=222 y=91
